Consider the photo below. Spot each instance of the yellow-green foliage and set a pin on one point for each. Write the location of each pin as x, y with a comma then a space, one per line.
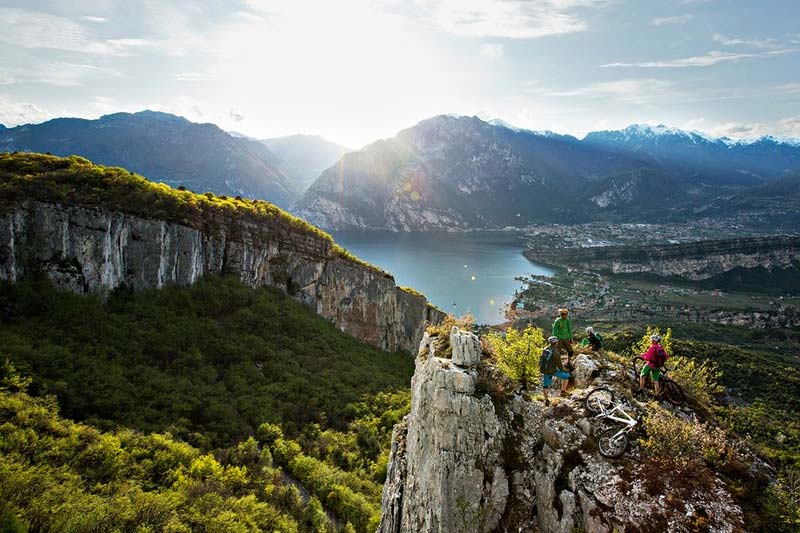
783, 502
644, 344
672, 437
699, 380
76, 180
56, 475
412, 291
517, 353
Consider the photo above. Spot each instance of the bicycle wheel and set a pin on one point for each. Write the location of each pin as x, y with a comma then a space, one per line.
612, 443
672, 392
599, 400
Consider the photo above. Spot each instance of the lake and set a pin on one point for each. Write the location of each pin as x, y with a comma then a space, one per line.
475, 271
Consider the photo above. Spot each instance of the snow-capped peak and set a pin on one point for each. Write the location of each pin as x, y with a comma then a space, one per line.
503, 124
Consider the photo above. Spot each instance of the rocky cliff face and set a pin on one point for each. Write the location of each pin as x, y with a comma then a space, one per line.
694, 261
466, 461
91, 250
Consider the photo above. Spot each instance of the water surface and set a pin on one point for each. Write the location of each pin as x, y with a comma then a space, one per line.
458, 272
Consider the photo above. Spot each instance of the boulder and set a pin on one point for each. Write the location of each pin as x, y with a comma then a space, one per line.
584, 370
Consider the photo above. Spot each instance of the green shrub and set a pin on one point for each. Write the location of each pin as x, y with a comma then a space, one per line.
699, 380
268, 433
517, 353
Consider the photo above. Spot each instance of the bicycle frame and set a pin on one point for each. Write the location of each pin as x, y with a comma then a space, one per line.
628, 421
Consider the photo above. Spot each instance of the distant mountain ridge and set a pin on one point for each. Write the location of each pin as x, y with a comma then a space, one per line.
714, 160
451, 172
304, 157
162, 147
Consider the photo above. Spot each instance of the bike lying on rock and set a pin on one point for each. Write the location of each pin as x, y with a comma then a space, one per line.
611, 441
670, 391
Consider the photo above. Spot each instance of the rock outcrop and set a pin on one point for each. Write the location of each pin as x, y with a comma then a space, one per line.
694, 261
471, 457
93, 250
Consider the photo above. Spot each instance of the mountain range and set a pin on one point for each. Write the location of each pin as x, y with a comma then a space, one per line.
163, 147
462, 172
446, 172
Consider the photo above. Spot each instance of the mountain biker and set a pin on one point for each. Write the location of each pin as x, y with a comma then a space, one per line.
562, 330
594, 339
550, 364
655, 356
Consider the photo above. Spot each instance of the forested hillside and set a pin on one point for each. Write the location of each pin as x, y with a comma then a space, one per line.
206, 368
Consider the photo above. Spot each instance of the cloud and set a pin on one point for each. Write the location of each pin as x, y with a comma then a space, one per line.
513, 19
491, 51
36, 30
789, 126
13, 113
92, 18
711, 58
195, 76
676, 19
758, 43
639, 91
235, 115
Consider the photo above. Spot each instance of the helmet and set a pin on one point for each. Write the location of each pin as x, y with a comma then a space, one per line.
655, 338
590, 329
552, 339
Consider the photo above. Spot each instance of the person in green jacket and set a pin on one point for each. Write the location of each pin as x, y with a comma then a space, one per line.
562, 328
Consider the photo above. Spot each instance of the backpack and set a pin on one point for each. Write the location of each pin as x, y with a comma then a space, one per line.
544, 360
660, 357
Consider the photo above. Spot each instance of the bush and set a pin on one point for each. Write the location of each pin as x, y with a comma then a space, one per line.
517, 354
782, 502
268, 433
699, 380
670, 436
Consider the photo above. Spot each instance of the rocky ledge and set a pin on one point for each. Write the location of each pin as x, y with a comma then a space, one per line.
469, 458
693, 261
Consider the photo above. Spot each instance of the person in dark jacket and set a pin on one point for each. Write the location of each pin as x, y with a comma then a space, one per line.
550, 365
594, 339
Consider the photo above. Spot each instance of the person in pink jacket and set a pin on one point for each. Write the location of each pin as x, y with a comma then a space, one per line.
655, 356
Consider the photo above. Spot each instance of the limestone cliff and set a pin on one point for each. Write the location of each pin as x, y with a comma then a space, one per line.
90, 249
471, 457
694, 261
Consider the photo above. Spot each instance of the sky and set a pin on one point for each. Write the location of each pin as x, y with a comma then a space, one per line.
355, 71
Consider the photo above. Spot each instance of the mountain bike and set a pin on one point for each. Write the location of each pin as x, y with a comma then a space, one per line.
670, 391
612, 442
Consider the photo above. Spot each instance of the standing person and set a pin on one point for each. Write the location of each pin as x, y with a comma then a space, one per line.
550, 365
655, 356
562, 329
594, 339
